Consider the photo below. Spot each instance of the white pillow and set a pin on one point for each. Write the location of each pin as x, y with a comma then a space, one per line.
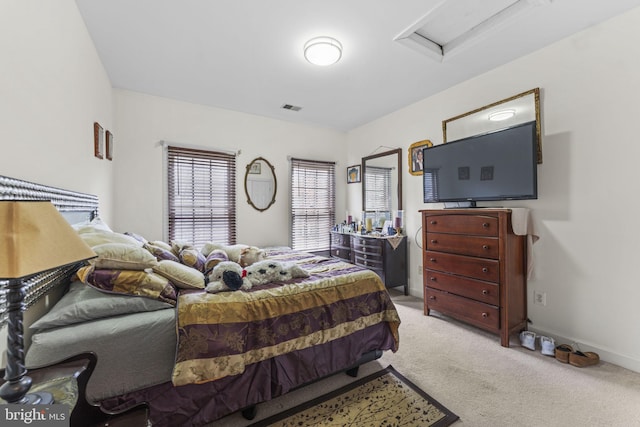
122, 256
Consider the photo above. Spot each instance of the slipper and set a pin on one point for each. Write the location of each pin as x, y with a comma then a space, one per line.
582, 359
528, 339
547, 344
562, 352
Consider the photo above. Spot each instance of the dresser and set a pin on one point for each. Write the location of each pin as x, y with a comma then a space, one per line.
386, 256
475, 269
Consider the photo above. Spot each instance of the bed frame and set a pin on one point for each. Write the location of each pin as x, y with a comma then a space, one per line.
77, 207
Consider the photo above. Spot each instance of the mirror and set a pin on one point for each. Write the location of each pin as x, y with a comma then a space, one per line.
382, 184
521, 108
260, 184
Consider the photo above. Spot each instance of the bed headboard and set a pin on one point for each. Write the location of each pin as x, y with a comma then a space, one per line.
75, 207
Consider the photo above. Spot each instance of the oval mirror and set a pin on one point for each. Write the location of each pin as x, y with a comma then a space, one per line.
260, 184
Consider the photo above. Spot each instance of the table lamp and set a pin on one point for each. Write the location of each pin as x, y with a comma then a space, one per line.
34, 238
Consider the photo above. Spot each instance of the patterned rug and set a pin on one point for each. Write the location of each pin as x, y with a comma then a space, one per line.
384, 398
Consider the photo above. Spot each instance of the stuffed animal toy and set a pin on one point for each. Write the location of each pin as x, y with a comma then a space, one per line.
242, 254
227, 276
267, 271
230, 276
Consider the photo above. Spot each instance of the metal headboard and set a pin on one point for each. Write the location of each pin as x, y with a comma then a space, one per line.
75, 207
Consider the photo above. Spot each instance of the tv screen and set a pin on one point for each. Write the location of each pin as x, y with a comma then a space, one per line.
500, 165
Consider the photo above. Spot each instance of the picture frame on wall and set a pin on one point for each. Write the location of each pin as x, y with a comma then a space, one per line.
353, 174
98, 140
415, 156
109, 145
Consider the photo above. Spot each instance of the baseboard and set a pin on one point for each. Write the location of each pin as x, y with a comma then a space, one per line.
605, 355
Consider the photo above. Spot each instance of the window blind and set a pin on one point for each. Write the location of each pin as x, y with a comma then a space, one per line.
313, 204
201, 196
378, 188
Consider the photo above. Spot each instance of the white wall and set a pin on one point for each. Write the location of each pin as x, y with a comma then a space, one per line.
586, 214
143, 121
52, 88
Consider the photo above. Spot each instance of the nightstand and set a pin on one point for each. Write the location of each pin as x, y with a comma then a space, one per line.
67, 382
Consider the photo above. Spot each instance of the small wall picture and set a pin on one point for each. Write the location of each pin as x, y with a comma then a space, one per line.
109, 145
415, 156
256, 168
98, 140
353, 174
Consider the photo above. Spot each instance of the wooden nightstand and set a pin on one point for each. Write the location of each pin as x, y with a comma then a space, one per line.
67, 382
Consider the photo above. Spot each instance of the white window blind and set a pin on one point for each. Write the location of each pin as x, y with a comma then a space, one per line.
378, 188
313, 202
201, 195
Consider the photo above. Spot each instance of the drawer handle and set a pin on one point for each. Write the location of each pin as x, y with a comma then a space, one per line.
433, 222
434, 279
365, 257
337, 251
485, 224
485, 270
485, 247
485, 315
432, 259
434, 241
485, 292
432, 298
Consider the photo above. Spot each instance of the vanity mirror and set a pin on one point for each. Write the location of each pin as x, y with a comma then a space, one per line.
382, 183
260, 184
515, 110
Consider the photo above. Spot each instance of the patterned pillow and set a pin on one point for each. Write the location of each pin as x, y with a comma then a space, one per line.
95, 238
160, 252
122, 256
182, 276
214, 258
129, 282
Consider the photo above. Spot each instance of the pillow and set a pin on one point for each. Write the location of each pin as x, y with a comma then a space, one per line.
136, 236
214, 258
182, 276
82, 303
96, 224
96, 238
163, 245
161, 252
129, 282
123, 257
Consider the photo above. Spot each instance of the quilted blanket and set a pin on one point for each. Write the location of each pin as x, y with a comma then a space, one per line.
221, 334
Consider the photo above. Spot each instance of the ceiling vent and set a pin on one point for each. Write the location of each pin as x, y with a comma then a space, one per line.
291, 107
451, 27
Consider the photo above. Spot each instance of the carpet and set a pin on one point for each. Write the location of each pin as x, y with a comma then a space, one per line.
384, 398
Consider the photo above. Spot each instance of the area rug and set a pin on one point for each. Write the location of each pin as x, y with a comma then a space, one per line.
384, 398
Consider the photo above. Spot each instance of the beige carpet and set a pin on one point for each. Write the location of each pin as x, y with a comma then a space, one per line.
384, 398
487, 385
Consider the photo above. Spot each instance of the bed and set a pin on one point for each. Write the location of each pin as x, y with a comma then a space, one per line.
193, 357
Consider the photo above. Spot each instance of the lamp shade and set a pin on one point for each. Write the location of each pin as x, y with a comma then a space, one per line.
35, 237
323, 51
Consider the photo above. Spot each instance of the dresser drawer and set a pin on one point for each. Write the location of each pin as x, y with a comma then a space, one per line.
344, 253
479, 246
478, 313
477, 268
339, 239
367, 246
373, 262
478, 225
478, 290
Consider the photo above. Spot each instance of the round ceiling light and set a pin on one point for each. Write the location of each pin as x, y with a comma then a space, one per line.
323, 51
501, 115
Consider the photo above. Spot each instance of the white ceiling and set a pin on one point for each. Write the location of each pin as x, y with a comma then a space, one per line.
246, 55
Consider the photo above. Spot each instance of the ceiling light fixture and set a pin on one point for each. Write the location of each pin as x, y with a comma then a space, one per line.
501, 115
323, 51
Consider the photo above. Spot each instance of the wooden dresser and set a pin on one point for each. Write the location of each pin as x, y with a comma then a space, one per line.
475, 269
385, 256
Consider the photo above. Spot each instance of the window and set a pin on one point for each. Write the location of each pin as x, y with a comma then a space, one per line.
202, 196
313, 204
378, 189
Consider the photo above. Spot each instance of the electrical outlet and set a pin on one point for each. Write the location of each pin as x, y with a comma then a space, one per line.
420, 270
540, 298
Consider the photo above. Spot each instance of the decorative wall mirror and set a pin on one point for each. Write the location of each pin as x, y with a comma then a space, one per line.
382, 184
521, 108
260, 184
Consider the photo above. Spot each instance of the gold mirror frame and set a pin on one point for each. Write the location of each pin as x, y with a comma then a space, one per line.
526, 106
255, 168
414, 149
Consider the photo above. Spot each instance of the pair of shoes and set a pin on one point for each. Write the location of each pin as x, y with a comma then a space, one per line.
582, 359
528, 339
548, 346
562, 352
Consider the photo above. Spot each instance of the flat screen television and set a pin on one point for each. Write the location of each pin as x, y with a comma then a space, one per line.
500, 165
